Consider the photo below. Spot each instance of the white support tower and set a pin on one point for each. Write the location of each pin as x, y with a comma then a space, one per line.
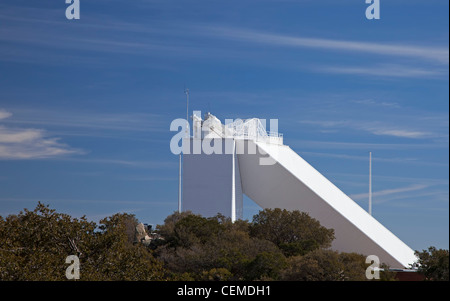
215, 183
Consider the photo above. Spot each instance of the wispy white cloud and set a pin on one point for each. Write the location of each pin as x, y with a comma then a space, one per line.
21, 143
407, 160
381, 115
141, 122
197, 40
19, 135
372, 102
38, 147
141, 164
312, 144
4, 114
400, 133
437, 198
391, 179
376, 128
385, 71
436, 54
387, 192
399, 124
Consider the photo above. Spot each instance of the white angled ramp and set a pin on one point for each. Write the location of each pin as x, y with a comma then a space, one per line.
293, 184
274, 176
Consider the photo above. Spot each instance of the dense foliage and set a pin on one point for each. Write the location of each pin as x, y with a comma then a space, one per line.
276, 245
34, 246
434, 264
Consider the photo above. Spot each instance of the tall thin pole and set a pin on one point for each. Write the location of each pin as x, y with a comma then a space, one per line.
179, 187
186, 91
370, 183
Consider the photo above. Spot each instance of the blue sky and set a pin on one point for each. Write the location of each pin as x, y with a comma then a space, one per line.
86, 105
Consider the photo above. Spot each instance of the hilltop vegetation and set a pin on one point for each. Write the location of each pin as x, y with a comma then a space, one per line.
34, 246
275, 245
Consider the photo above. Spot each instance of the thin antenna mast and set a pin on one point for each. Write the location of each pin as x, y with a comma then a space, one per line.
179, 187
186, 91
370, 183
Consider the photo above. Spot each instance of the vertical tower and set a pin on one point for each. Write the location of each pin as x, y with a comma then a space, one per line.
211, 181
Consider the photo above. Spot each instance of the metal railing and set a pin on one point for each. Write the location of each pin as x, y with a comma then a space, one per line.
251, 129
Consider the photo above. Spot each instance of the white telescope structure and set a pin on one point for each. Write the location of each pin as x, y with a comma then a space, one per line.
223, 162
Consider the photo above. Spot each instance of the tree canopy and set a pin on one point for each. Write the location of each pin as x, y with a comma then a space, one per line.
276, 245
294, 232
434, 264
35, 244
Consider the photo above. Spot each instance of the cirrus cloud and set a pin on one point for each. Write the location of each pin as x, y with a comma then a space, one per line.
4, 114
20, 143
